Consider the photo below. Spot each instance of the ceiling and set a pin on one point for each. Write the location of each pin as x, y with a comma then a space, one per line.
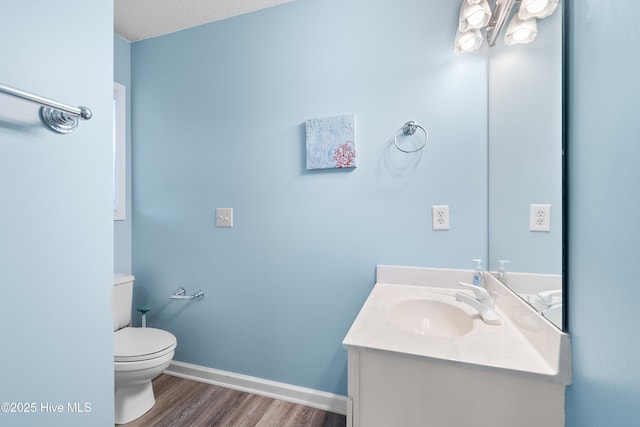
142, 19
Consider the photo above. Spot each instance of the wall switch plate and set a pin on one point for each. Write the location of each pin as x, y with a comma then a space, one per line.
224, 217
440, 217
540, 218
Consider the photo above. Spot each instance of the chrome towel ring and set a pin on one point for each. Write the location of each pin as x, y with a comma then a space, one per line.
409, 128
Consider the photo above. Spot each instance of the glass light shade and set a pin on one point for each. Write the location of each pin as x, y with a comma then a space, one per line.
536, 8
468, 41
521, 31
474, 15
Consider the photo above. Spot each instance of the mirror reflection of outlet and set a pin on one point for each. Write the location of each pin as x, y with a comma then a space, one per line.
224, 217
540, 218
440, 217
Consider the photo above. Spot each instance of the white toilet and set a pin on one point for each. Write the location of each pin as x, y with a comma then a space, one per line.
140, 355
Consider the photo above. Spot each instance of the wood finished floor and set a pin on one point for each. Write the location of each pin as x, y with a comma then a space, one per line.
181, 402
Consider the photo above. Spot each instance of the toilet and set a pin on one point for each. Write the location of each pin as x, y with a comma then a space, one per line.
140, 355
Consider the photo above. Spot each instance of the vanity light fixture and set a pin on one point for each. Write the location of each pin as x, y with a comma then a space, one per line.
521, 29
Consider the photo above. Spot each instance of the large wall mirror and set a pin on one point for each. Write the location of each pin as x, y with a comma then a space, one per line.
526, 166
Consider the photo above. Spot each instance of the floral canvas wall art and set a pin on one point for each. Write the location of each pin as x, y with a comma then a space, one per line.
331, 142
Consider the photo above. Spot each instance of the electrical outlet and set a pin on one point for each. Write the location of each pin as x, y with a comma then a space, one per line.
440, 217
540, 218
224, 217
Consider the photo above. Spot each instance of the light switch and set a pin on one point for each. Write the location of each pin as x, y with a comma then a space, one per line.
224, 217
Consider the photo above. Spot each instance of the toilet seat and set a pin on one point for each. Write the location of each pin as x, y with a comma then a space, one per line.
139, 344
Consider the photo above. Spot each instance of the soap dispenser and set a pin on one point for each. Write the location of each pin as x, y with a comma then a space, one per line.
478, 275
501, 275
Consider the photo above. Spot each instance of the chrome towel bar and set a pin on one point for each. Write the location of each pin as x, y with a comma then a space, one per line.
57, 116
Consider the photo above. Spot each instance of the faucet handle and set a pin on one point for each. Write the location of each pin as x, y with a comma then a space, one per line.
547, 297
481, 293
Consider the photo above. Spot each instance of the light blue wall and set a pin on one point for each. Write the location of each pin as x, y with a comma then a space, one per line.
122, 229
219, 115
604, 238
56, 229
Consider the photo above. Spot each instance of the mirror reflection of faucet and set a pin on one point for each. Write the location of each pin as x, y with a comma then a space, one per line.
548, 303
545, 300
481, 301
551, 297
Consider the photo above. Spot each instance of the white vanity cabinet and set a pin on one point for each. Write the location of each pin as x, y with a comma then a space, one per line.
511, 375
387, 389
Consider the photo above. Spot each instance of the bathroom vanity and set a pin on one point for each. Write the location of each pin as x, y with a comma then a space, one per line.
418, 357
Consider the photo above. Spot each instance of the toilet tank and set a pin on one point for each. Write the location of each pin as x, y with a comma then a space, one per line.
121, 300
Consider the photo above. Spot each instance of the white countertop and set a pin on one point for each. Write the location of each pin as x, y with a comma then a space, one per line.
525, 342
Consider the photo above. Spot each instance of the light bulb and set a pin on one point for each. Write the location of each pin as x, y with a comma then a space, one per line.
468, 41
536, 8
521, 34
476, 18
474, 15
520, 31
467, 44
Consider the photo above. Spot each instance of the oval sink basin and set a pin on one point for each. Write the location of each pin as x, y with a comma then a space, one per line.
430, 318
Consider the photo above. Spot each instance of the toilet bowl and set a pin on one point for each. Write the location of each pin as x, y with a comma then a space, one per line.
140, 355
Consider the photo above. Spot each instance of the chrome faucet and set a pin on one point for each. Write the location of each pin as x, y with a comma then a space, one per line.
482, 302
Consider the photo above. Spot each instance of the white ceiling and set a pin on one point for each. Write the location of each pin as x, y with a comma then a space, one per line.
142, 19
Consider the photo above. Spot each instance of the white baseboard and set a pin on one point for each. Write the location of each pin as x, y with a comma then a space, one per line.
290, 393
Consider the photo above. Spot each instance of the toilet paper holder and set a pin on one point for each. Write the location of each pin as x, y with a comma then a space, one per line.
181, 293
